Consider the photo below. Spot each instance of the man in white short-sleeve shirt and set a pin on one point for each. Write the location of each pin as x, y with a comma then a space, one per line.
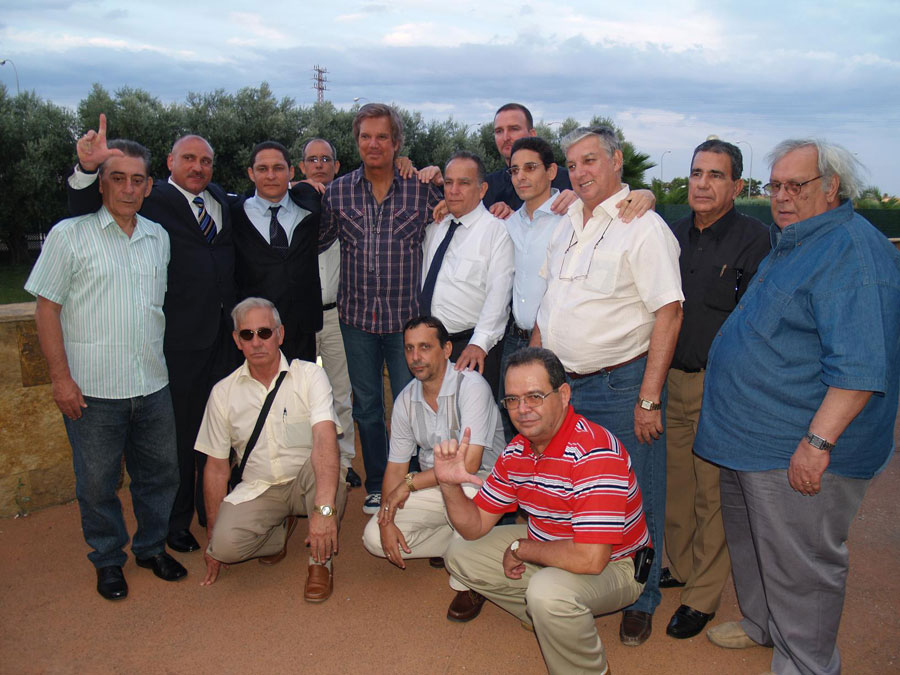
293, 468
440, 403
611, 313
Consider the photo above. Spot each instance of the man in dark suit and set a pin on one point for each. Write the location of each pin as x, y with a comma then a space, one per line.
198, 300
276, 235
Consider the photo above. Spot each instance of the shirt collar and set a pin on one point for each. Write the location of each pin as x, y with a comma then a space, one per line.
189, 195
543, 208
448, 385
560, 440
262, 205
469, 219
607, 206
140, 228
244, 370
811, 228
718, 227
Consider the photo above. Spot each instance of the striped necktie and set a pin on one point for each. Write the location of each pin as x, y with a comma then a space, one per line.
207, 224
277, 235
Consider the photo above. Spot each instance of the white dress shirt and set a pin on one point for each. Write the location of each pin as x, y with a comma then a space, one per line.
289, 215
605, 279
531, 237
329, 272
474, 283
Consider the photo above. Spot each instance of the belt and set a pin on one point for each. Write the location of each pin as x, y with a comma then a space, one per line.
519, 332
607, 369
330, 305
462, 335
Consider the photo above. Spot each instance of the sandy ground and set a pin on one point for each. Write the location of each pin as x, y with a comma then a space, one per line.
379, 620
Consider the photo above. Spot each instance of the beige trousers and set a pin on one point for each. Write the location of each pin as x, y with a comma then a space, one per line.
561, 605
257, 527
695, 536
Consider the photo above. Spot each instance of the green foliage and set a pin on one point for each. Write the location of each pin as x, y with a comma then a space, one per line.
673, 192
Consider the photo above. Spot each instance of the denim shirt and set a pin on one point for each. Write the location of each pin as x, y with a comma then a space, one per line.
822, 311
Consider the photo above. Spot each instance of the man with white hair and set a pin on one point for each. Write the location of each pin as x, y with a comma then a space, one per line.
801, 395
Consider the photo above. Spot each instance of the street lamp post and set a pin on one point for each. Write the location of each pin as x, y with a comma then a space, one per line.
3, 62
661, 157
750, 172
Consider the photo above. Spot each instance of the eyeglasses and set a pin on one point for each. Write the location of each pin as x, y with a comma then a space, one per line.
531, 400
324, 159
264, 334
527, 167
792, 187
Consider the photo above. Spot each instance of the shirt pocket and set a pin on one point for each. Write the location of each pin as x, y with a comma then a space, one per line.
470, 271
296, 431
354, 223
152, 279
407, 223
603, 272
720, 285
767, 313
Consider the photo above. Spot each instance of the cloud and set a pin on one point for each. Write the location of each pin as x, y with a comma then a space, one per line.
256, 25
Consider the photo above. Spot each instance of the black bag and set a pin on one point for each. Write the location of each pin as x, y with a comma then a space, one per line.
237, 470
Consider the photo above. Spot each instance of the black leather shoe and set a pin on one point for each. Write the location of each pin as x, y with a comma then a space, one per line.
666, 580
111, 583
182, 541
164, 566
635, 627
353, 479
687, 622
465, 606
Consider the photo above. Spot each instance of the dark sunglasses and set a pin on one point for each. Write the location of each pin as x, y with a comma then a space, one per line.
264, 334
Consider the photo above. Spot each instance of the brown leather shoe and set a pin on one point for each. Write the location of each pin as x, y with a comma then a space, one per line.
319, 584
635, 627
291, 522
465, 606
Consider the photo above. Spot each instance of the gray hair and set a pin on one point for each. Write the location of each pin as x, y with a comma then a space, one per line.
607, 137
833, 160
244, 306
129, 149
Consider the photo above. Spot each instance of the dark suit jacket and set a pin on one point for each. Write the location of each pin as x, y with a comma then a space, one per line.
201, 274
290, 280
500, 188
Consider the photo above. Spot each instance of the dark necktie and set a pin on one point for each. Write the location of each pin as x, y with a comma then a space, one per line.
207, 224
277, 235
431, 278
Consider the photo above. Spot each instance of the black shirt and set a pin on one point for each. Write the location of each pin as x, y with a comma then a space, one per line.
500, 188
717, 264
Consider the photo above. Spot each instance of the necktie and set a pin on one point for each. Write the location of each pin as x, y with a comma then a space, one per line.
207, 224
277, 235
431, 277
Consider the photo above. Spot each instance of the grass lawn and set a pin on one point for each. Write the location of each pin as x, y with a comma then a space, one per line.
12, 278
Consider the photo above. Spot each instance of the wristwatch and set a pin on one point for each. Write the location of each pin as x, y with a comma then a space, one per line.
325, 510
818, 442
649, 405
409, 481
514, 549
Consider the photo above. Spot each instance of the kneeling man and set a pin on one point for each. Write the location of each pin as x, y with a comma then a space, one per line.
586, 528
438, 404
293, 468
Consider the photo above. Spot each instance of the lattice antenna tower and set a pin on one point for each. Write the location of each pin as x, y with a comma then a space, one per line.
319, 82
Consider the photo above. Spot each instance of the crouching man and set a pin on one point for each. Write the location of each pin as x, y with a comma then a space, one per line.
586, 528
293, 467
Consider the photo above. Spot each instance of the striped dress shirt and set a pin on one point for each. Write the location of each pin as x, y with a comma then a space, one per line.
111, 288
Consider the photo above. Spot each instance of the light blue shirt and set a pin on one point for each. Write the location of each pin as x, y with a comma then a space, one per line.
111, 288
289, 215
531, 238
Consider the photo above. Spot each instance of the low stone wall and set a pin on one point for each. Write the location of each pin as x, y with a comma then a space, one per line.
35, 457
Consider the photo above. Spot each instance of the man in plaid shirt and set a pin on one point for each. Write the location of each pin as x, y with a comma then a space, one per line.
379, 218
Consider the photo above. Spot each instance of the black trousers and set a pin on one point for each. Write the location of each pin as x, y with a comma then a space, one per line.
491, 362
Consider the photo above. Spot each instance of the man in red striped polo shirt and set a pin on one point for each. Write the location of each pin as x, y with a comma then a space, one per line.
586, 530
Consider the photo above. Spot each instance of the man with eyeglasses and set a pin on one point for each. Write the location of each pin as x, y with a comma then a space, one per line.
580, 553
439, 403
293, 468
611, 312
99, 283
720, 250
276, 236
799, 408
467, 271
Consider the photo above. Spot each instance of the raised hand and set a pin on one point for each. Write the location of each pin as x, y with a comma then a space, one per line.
92, 149
450, 461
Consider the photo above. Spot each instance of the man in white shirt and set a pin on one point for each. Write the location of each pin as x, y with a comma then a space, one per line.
612, 312
440, 403
468, 270
293, 468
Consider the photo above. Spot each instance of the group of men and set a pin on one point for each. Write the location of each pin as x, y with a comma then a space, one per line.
553, 291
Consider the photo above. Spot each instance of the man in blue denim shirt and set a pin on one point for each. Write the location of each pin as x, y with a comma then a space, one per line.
803, 377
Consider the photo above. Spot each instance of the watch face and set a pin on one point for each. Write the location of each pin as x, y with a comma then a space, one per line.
325, 510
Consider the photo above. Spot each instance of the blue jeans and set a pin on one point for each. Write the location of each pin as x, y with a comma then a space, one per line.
366, 355
608, 399
143, 429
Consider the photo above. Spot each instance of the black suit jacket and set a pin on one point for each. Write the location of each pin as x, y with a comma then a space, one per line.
201, 290
289, 279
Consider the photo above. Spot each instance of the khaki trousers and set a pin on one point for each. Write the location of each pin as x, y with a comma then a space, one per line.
561, 605
257, 527
695, 536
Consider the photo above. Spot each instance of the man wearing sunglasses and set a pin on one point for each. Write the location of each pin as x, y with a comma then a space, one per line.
293, 468
611, 312
799, 407
720, 250
586, 528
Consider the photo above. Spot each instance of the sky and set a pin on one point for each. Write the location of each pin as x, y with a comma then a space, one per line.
668, 73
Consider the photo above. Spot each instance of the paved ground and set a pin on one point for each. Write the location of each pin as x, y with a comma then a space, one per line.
380, 619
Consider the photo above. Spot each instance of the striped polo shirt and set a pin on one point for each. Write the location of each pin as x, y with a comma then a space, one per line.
111, 288
582, 487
